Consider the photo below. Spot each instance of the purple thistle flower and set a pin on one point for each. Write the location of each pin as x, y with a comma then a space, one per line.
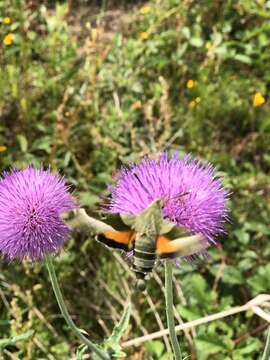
31, 201
193, 197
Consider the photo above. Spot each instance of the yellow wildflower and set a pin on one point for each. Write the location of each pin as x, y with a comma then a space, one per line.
145, 9
191, 83
3, 148
144, 35
8, 39
258, 99
192, 104
208, 45
7, 20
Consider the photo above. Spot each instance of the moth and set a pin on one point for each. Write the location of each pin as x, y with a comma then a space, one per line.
148, 235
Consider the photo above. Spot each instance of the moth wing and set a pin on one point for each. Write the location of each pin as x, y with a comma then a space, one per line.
128, 219
181, 247
79, 219
175, 232
116, 221
117, 239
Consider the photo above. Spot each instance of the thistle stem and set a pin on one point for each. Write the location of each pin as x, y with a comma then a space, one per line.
169, 310
266, 353
60, 300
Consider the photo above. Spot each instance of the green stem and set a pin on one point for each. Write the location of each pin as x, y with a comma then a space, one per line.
59, 297
169, 310
266, 353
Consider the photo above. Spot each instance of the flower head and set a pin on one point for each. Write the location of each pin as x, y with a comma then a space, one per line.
7, 20
191, 83
145, 9
3, 148
193, 197
193, 103
258, 99
8, 39
31, 201
144, 35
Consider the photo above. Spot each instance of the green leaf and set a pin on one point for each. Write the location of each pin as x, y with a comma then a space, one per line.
13, 340
43, 143
196, 41
199, 287
113, 342
121, 327
67, 158
232, 276
88, 199
155, 348
81, 351
247, 349
243, 58
23, 143
242, 236
260, 282
188, 313
210, 344
186, 32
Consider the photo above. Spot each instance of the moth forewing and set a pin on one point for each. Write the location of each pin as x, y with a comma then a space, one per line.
166, 227
184, 246
128, 219
116, 221
190, 245
81, 220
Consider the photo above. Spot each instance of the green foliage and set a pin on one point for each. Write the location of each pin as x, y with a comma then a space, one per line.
157, 350
113, 342
11, 341
88, 88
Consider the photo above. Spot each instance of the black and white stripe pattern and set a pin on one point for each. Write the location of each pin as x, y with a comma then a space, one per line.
144, 261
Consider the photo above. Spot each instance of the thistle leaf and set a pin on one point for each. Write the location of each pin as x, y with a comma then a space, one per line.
13, 340
81, 351
113, 342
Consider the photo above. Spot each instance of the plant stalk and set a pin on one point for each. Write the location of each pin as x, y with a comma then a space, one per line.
169, 310
266, 353
60, 300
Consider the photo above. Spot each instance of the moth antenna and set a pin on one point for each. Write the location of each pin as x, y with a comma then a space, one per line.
145, 189
177, 196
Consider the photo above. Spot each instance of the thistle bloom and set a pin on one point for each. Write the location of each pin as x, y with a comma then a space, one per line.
193, 197
31, 201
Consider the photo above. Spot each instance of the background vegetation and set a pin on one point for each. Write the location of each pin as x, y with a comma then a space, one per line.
86, 86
